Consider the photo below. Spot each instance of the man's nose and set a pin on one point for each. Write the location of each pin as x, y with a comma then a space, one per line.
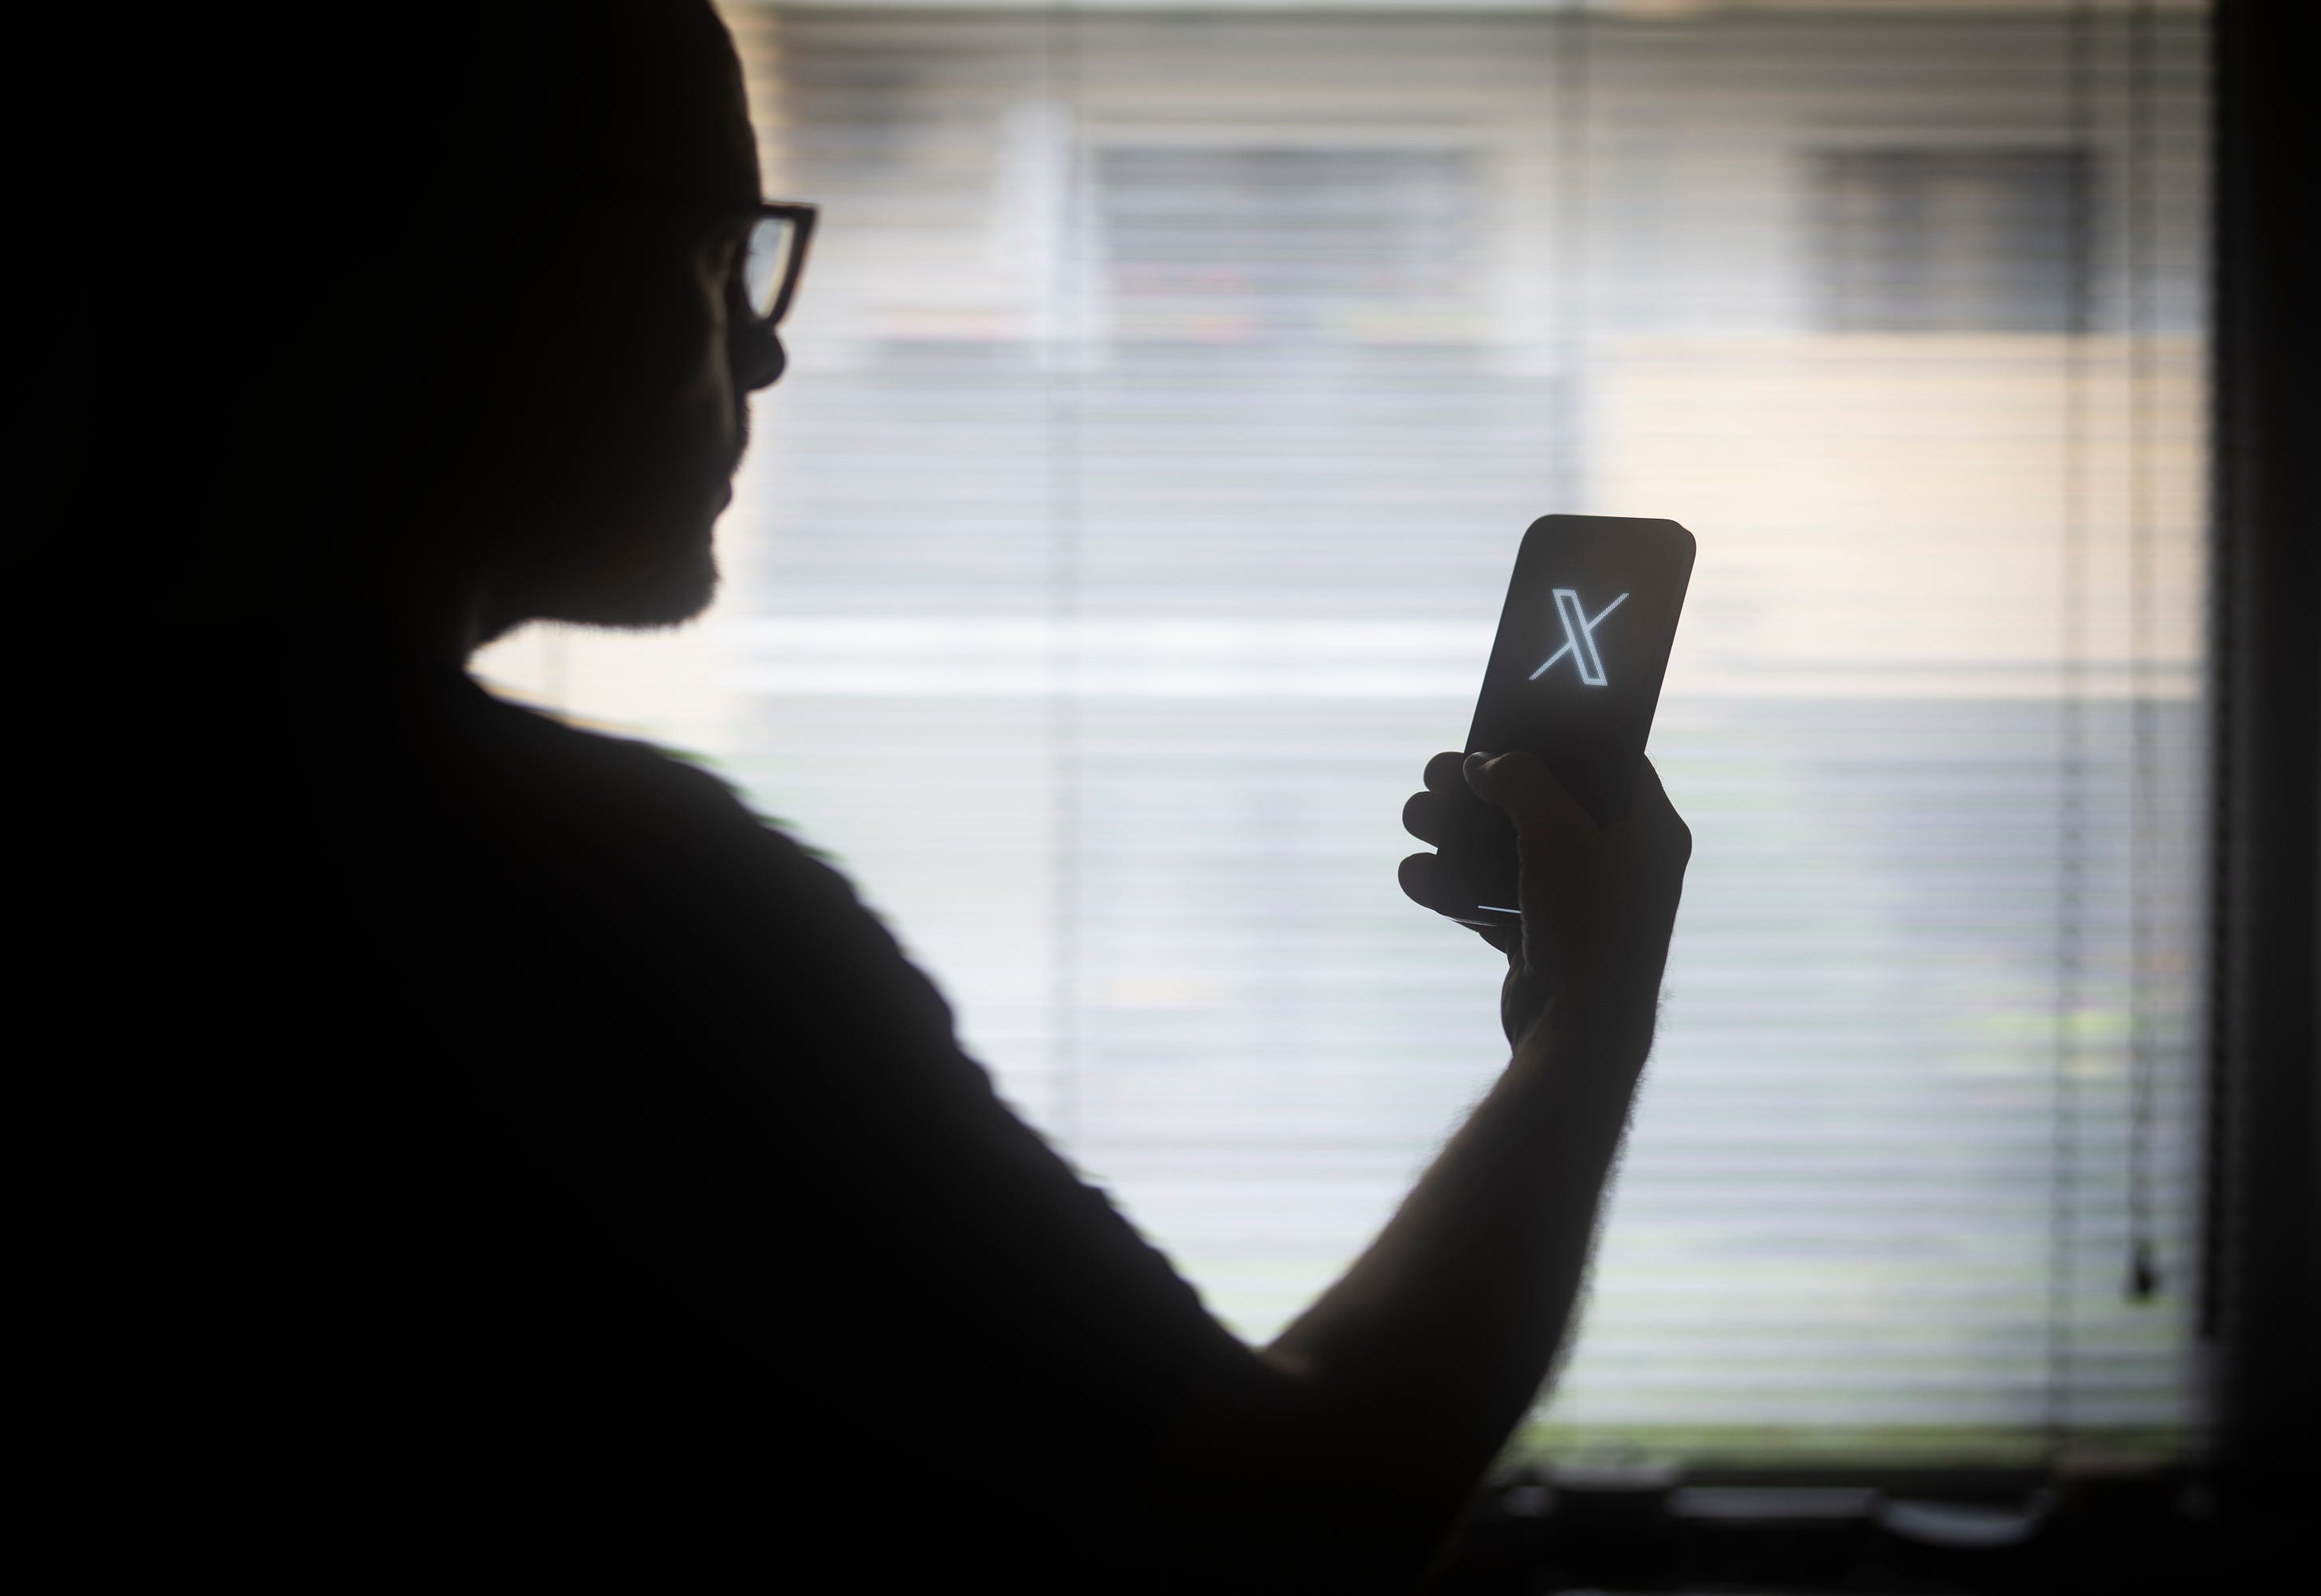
759, 361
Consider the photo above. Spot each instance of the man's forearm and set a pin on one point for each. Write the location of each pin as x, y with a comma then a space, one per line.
1345, 1450
1438, 1338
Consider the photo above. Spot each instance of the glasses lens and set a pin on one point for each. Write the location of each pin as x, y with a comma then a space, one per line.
766, 263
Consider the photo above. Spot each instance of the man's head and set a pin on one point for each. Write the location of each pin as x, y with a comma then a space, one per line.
476, 326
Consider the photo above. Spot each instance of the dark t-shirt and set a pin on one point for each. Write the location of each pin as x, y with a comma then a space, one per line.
581, 1174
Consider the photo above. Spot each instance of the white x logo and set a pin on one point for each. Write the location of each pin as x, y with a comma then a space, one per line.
1579, 637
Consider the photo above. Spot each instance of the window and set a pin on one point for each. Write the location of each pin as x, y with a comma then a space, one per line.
1170, 391
1257, 244
1923, 240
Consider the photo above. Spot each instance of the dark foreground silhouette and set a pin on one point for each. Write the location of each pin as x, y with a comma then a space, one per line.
514, 1156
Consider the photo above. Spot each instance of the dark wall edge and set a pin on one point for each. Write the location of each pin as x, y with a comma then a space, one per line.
2264, 1187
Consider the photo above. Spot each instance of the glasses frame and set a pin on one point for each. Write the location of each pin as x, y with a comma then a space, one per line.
801, 216
798, 213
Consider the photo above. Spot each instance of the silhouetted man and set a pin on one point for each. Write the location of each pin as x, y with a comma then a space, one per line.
527, 1160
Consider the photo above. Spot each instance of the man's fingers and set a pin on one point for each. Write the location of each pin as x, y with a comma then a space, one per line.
1421, 875
1443, 773
1427, 816
1526, 789
1420, 879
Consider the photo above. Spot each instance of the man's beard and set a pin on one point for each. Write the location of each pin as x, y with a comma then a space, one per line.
655, 566
653, 581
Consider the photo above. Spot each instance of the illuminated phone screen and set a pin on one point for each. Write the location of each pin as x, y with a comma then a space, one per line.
1574, 677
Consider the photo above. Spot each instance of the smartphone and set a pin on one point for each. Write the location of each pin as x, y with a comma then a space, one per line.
1574, 677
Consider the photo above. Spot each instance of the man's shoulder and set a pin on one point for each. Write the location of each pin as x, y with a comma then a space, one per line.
625, 826
617, 795
527, 740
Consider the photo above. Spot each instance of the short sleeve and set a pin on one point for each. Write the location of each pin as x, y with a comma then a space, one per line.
827, 1178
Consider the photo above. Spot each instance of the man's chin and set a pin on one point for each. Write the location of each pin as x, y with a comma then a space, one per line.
640, 596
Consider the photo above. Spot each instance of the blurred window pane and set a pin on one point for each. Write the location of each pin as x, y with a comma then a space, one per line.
1173, 389
1920, 240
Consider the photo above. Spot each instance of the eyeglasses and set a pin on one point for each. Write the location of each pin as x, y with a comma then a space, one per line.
773, 252
772, 258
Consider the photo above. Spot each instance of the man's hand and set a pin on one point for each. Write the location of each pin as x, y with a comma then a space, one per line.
1598, 901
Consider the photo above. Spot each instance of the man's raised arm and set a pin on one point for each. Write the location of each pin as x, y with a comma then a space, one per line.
1340, 1455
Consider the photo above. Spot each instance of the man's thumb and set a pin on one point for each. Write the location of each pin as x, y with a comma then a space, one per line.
1523, 786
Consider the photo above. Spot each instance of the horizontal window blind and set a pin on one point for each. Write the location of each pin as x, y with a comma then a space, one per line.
1169, 390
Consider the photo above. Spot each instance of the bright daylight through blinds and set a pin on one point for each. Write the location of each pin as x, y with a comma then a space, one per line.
1169, 390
